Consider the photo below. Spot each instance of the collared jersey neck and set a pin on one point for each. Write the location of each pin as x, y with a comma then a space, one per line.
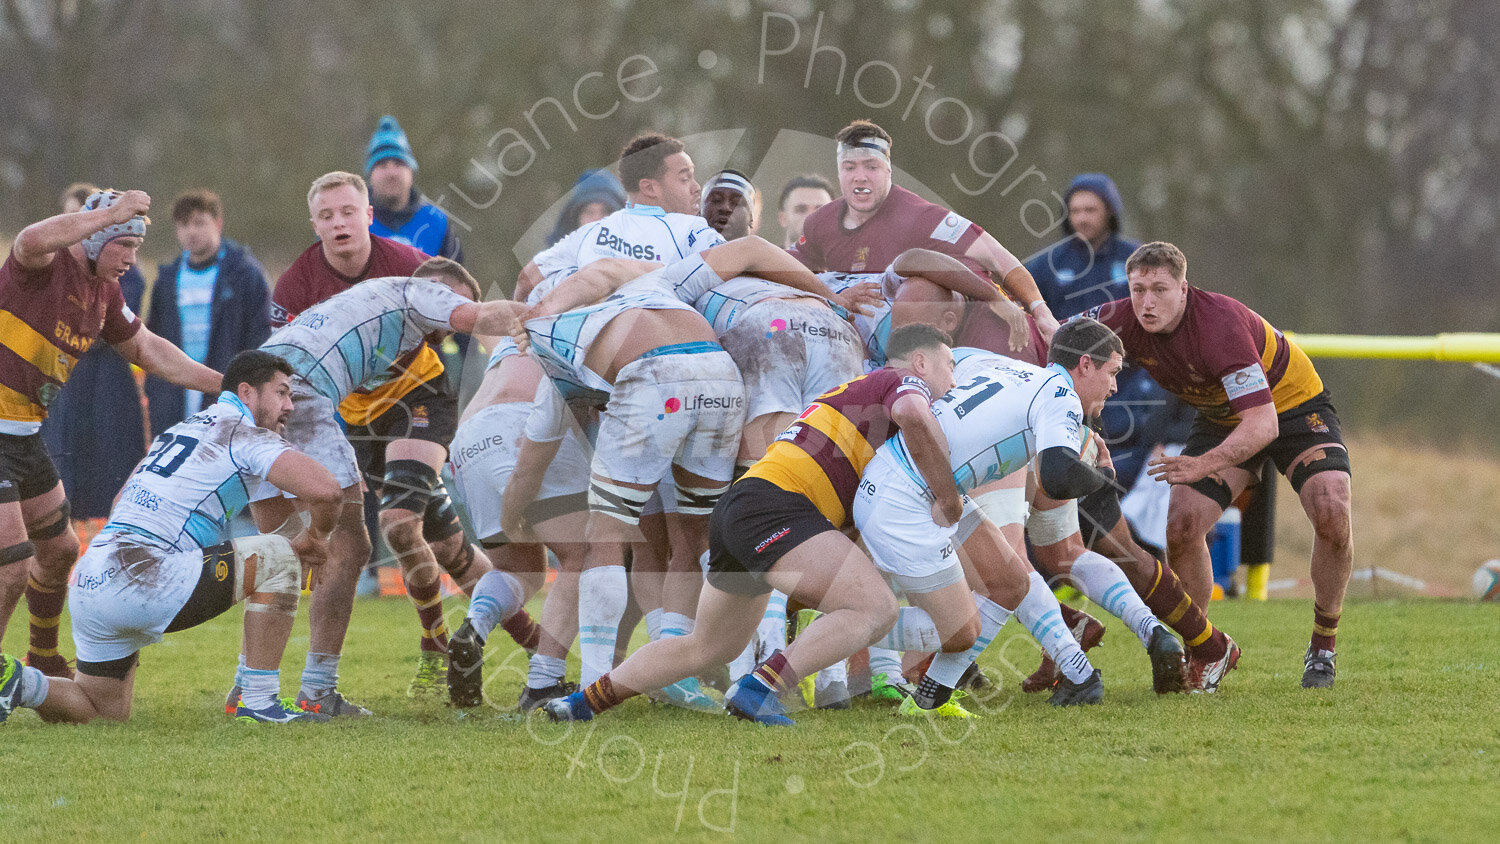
648, 210
1058, 368
233, 401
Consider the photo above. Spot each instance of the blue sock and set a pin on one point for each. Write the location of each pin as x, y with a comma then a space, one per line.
259, 688
320, 675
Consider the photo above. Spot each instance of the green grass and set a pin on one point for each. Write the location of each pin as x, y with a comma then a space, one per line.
1405, 747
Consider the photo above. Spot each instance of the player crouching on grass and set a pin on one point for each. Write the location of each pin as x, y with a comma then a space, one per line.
165, 562
780, 527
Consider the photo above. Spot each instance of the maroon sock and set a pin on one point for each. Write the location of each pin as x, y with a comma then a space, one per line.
1325, 629
776, 674
45, 606
429, 602
523, 628
1071, 617
602, 694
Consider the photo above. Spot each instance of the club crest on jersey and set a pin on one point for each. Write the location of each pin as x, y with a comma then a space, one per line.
861, 257
1315, 423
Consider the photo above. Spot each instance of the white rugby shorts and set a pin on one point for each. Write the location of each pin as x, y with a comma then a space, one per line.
894, 517
790, 351
483, 456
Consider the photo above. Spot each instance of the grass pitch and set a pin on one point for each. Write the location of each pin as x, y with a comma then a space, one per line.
1406, 747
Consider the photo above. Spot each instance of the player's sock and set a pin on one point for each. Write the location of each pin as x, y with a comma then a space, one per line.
914, 631
675, 624
428, 599
742, 664
1104, 584
46, 606
523, 629
835, 673
773, 623
774, 674
259, 688
602, 694
653, 624
1170, 603
320, 675
948, 669
603, 592
545, 671
888, 662
1325, 629
497, 596
1040, 613
239, 672
34, 686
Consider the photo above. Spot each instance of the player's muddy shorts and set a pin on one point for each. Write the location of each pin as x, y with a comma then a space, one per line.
25, 469
1308, 425
753, 526
313, 429
790, 351
483, 456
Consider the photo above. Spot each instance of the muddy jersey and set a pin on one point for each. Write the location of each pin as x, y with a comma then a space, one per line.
353, 340
875, 327
1222, 358
998, 420
48, 319
195, 478
823, 453
724, 304
561, 343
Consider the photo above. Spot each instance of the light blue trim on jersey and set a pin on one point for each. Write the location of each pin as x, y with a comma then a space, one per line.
202, 529
716, 303
233, 401
963, 353
697, 347
126, 527
309, 368
879, 339
644, 210
1058, 368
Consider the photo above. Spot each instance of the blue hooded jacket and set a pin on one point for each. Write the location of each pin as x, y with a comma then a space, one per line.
593, 186
1072, 276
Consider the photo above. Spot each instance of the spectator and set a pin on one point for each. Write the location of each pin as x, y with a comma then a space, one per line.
213, 300
1087, 267
596, 195
800, 196
95, 431
402, 213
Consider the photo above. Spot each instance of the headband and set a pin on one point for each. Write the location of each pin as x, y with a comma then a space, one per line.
865, 148
728, 181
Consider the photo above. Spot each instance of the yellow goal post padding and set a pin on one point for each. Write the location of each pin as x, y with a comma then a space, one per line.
1456, 347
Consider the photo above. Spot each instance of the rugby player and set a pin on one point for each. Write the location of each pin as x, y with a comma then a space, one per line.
800, 196
335, 347
874, 221
165, 560
674, 406
59, 291
400, 430
731, 204
779, 527
996, 423
1257, 396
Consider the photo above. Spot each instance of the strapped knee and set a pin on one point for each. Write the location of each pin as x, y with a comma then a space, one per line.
1330, 459
53, 529
408, 485
277, 573
618, 501
1098, 513
698, 500
1049, 527
440, 519
16, 553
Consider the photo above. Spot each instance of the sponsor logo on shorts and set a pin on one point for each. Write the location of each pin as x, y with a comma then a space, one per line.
700, 402
776, 325
771, 540
89, 582
472, 450
811, 330
1315, 423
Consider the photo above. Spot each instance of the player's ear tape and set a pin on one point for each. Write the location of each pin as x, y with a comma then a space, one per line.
53, 529
618, 501
1328, 459
408, 485
698, 500
16, 553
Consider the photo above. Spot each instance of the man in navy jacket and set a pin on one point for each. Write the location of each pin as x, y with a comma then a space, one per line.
213, 301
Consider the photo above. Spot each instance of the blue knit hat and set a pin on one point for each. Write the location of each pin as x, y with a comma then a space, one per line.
388, 142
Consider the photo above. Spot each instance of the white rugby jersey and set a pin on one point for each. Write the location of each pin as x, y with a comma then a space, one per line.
195, 478
349, 341
722, 305
639, 232
969, 362
999, 419
561, 343
874, 328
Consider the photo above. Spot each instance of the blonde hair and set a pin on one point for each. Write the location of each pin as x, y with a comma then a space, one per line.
1158, 253
337, 178
449, 269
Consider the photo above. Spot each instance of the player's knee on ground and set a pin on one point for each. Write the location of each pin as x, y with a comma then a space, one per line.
270, 572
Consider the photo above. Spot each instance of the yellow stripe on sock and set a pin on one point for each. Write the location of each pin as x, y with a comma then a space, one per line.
435, 601
43, 651
1208, 632
51, 621
440, 630
1155, 583
1179, 611
1326, 631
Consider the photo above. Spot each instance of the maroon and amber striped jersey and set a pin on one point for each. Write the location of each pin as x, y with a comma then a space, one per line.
48, 318
1222, 358
824, 452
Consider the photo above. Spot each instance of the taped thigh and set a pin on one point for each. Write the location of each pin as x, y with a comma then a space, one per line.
269, 573
617, 500
699, 500
1004, 506
16, 553
1326, 459
440, 519
1049, 527
408, 485
54, 528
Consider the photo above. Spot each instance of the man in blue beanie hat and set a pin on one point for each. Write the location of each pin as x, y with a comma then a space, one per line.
402, 213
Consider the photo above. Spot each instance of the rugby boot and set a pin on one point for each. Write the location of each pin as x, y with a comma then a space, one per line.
1203, 677
333, 704
1168, 669
750, 700
1086, 693
466, 668
571, 707
532, 698
432, 676
1318, 669
283, 711
1089, 632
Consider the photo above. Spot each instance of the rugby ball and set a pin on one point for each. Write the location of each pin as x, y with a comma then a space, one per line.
1487, 581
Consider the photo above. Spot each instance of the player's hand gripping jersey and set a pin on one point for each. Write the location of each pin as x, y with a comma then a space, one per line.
355, 339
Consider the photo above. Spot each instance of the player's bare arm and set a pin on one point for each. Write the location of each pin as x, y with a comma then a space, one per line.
36, 243
1016, 280
527, 281
313, 484
164, 360
502, 316
947, 271
759, 257
929, 450
1256, 430
590, 285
